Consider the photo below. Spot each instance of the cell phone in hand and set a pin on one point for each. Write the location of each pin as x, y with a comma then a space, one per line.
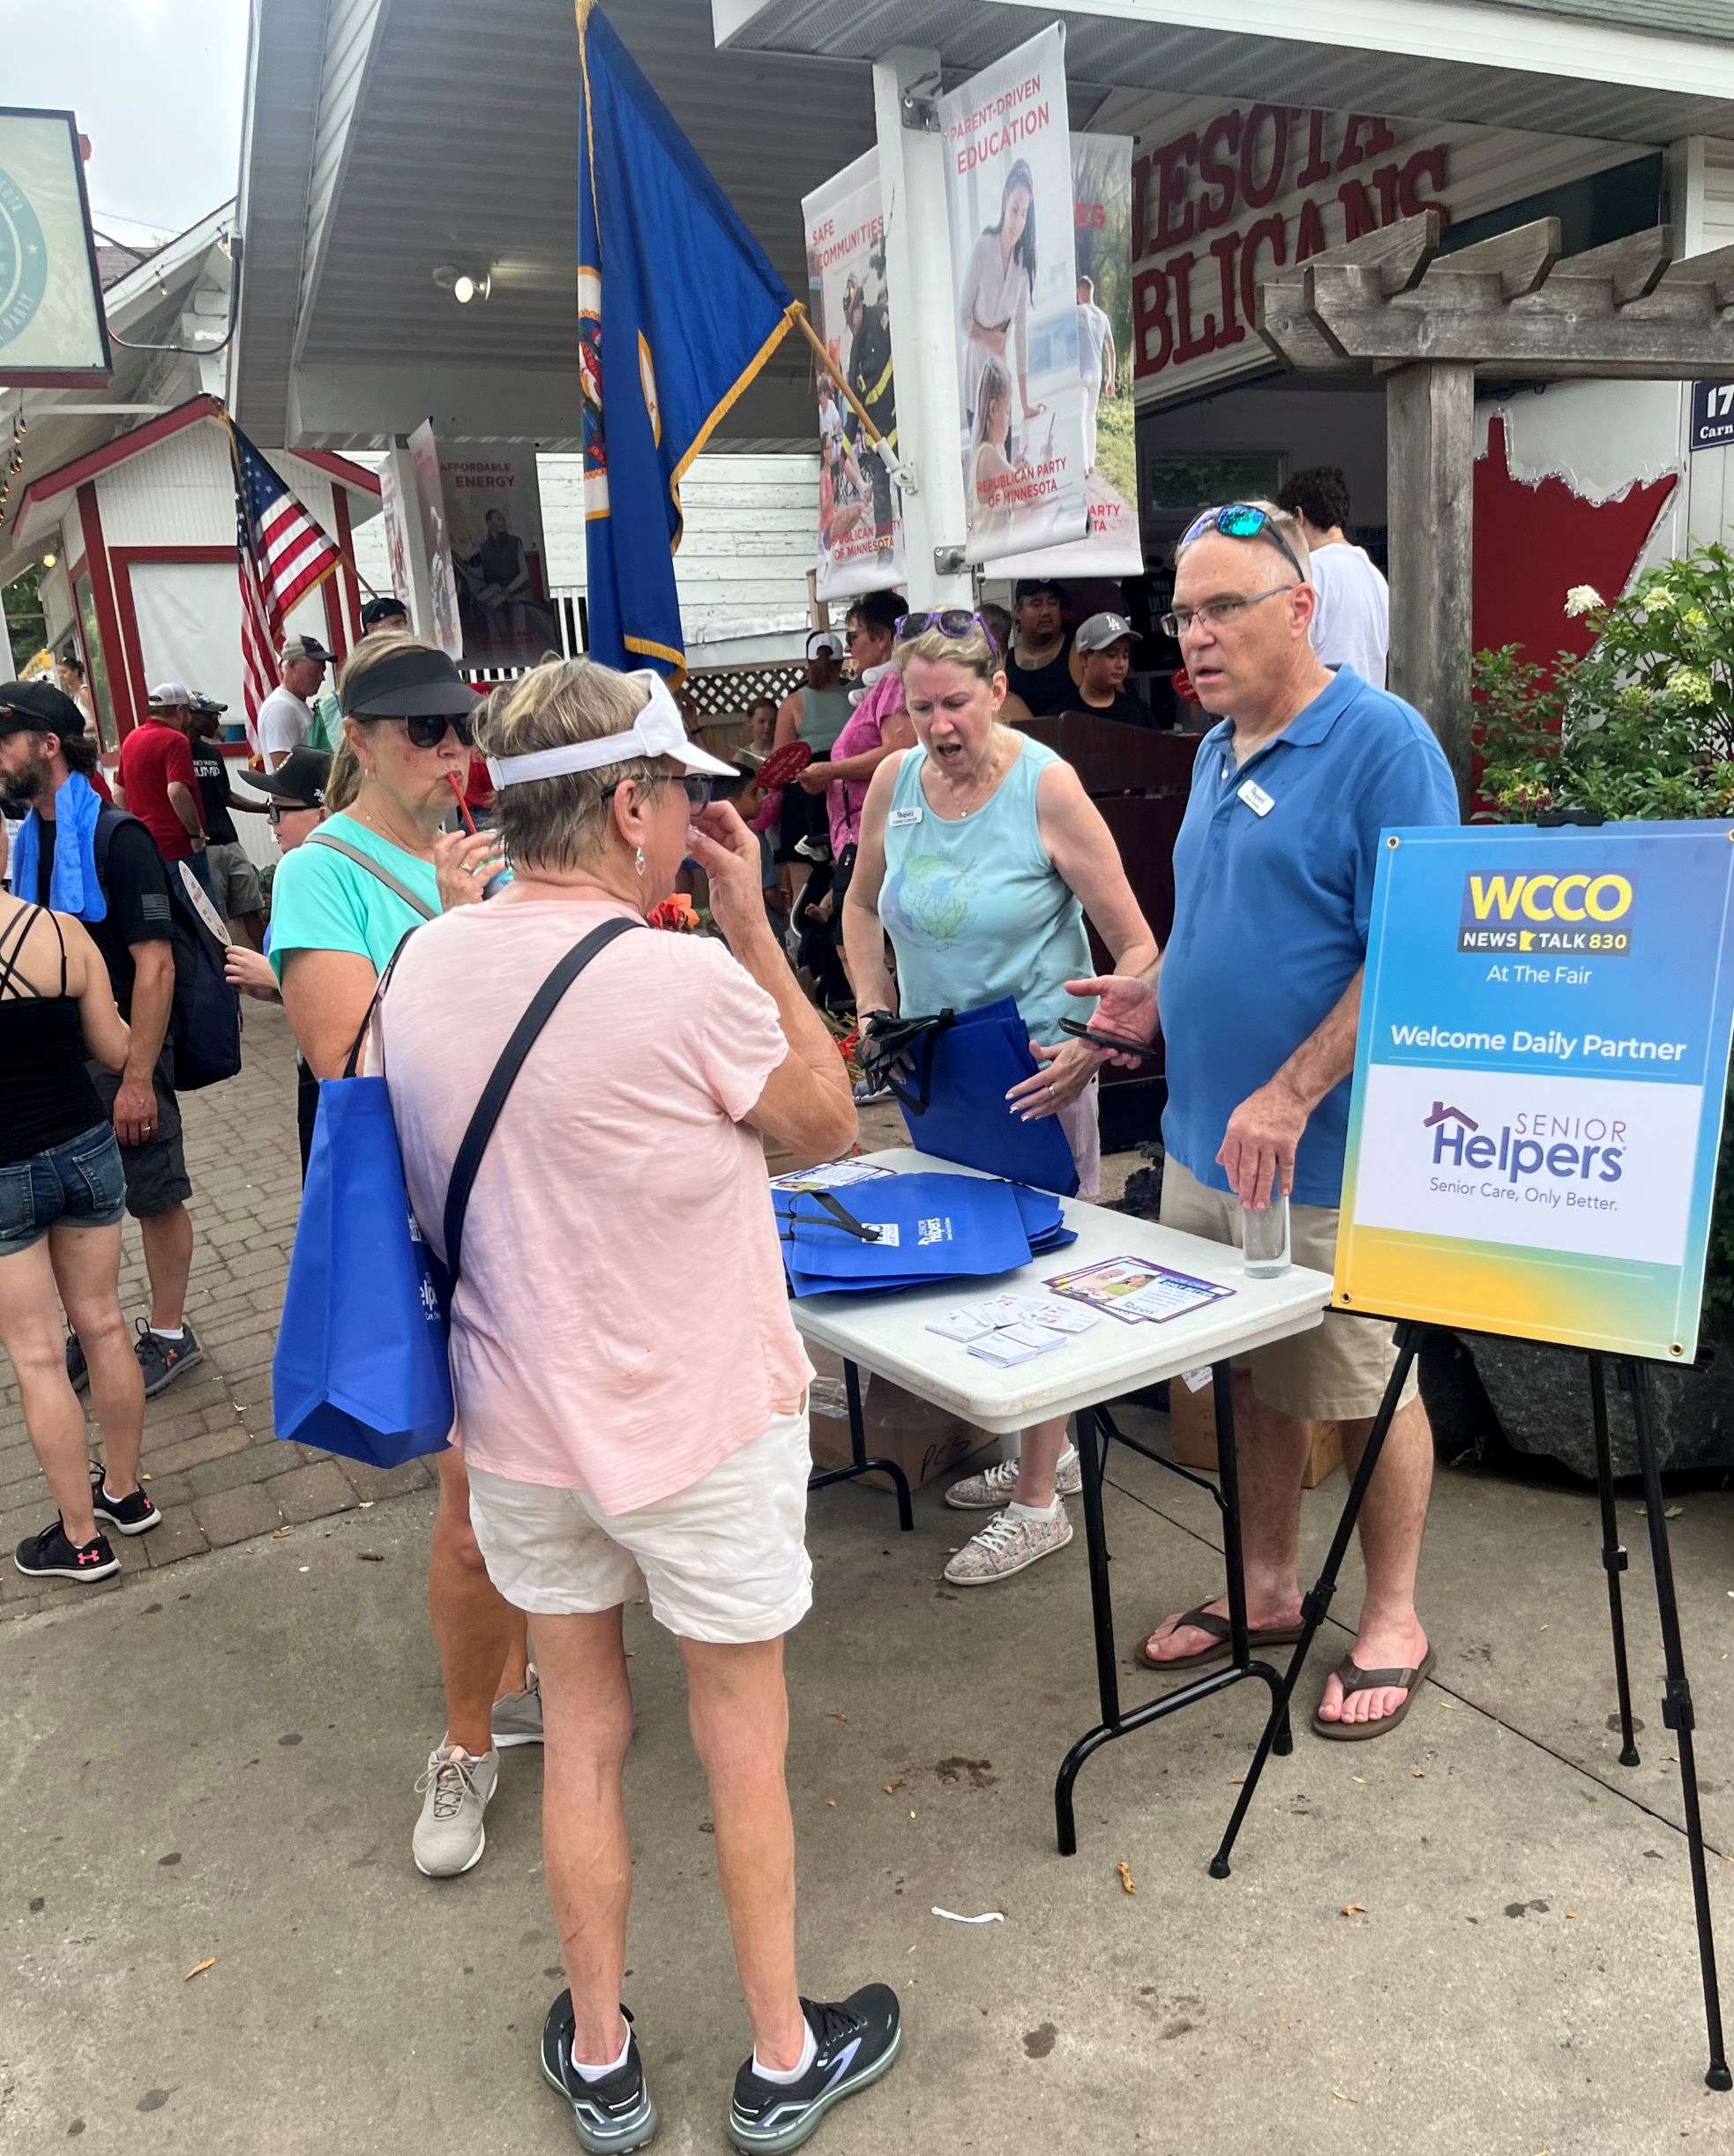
1146, 1050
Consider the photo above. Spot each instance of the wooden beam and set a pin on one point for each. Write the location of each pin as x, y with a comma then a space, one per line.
1519, 259
1397, 255
1429, 465
1633, 266
1714, 269
1292, 334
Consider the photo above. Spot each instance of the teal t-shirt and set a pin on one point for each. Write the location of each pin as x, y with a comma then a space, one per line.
322, 901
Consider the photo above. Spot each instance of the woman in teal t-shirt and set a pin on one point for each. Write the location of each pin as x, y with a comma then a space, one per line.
980, 856
340, 905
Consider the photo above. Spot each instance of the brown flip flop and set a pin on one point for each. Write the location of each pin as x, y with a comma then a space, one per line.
1203, 1620
1356, 1680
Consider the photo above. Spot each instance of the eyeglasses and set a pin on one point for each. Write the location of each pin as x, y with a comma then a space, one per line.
1242, 520
279, 809
1216, 613
427, 733
698, 788
956, 622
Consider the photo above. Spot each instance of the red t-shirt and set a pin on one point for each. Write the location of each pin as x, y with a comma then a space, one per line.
154, 756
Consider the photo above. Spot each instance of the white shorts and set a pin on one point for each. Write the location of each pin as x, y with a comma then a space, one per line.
723, 1562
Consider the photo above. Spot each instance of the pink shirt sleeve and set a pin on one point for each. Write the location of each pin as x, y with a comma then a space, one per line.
740, 1041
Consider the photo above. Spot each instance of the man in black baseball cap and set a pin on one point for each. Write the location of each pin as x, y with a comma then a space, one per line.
1038, 665
46, 758
384, 615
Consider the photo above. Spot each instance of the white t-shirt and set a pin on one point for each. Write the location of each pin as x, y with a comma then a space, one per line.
1094, 331
1352, 623
284, 723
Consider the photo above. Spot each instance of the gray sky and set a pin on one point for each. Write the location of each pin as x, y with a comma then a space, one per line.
157, 87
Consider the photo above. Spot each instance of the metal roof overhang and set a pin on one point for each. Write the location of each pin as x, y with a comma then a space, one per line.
386, 139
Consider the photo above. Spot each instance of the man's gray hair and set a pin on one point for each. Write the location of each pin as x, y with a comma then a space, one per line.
1293, 537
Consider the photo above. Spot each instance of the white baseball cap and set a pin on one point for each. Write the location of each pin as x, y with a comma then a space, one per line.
658, 730
171, 695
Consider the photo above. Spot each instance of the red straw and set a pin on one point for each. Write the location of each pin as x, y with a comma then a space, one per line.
457, 786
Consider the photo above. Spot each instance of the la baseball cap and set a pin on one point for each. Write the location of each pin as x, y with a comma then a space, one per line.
1101, 630
39, 708
298, 782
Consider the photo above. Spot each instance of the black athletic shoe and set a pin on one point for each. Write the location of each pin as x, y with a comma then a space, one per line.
50, 1555
613, 2114
133, 1515
857, 2039
78, 1371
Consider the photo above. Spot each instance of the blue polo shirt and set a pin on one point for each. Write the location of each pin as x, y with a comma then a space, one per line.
1271, 910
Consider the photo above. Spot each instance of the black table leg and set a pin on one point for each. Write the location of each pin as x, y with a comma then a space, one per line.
1116, 1721
1315, 1604
1678, 1715
859, 1463
1613, 1554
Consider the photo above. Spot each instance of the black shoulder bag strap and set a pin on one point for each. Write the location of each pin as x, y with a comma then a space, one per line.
505, 1072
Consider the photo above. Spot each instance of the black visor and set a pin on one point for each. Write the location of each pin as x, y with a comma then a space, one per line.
410, 685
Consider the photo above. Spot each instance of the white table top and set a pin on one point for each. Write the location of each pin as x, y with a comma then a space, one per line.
887, 1334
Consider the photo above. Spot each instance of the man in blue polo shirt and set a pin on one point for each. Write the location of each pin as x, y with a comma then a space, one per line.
1259, 992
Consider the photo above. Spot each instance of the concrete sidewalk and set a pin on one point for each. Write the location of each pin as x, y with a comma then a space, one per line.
216, 1763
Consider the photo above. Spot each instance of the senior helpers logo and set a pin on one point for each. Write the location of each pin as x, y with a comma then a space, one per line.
24, 260
1556, 916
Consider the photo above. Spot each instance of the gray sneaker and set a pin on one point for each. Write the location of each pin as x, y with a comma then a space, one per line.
162, 1360
516, 1717
449, 1836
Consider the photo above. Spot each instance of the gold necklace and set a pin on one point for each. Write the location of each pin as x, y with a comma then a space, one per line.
983, 788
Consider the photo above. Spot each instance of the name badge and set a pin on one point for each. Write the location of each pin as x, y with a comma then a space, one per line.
1256, 799
900, 819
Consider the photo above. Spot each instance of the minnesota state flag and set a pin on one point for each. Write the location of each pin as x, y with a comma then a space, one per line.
678, 308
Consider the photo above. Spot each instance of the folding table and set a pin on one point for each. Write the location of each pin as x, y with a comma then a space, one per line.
887, 1334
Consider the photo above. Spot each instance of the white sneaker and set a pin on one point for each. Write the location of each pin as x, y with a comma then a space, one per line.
1007, 1545
449, 1836
992, 1487
517, 1718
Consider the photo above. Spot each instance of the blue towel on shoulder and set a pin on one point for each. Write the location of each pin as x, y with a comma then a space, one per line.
74, 887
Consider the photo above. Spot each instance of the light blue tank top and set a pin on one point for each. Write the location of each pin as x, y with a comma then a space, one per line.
974, 909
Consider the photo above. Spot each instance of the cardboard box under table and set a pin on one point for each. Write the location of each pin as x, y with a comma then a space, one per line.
887, 1334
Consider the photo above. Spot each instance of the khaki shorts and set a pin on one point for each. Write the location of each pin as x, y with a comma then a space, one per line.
1338, 1372
724, 1561
234, 878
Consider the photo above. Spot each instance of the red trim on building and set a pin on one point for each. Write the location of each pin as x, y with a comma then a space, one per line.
123, 683
120, 563
85, 468
338, 468
129, 554
344, 537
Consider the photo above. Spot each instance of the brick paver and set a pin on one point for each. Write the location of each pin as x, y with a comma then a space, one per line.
217, 1469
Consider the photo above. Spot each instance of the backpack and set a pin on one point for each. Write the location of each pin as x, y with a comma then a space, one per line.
204, 1019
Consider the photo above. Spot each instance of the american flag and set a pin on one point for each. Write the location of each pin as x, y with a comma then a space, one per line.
281, 554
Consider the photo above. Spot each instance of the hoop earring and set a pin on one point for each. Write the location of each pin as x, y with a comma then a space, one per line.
637, 861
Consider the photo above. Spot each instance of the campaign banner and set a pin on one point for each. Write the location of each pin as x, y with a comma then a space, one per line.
1539, 1083
1008, 198
1102, 235
436, 544
499, 557
860, 513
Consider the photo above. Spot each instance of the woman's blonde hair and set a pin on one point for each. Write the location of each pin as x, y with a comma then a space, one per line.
977, 651
561, 823
994, 383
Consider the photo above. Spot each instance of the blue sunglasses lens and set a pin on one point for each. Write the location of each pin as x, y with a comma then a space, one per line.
1242, 521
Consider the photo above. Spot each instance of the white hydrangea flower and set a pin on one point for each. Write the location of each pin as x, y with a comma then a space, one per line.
1660, 598
1583, 598
1691, 685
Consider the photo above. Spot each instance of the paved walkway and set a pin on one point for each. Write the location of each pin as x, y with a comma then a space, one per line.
215, 1464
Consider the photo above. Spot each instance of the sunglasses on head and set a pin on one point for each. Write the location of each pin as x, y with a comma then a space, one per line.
428, 733
1242, 520
956, 622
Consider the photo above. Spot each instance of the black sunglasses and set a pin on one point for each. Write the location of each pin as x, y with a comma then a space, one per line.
425, 733
698, 788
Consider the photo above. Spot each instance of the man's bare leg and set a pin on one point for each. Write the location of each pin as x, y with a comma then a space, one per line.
1392, 1520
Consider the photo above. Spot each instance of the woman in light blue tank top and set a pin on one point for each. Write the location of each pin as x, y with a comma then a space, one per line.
980, 856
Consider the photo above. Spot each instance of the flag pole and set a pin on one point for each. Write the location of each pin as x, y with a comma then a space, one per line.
888, 456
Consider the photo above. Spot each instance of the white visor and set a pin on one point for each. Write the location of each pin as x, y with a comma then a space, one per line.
658, 730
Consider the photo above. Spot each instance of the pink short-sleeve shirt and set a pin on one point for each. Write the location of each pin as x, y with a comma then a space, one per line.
622, 1324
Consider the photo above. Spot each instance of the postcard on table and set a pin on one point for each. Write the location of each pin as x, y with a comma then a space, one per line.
833, 1176
1137, 1289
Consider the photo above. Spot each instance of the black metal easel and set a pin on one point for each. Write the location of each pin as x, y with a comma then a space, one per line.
1096, 1429
859, 1463
1677, 1711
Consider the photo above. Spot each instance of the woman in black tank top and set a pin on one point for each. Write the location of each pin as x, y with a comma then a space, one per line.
61, 1195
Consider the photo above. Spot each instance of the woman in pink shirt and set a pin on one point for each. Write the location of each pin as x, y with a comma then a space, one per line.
630, 1428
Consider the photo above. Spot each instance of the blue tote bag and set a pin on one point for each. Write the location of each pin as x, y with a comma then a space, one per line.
362, 1365
902, 1231
976, 1060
